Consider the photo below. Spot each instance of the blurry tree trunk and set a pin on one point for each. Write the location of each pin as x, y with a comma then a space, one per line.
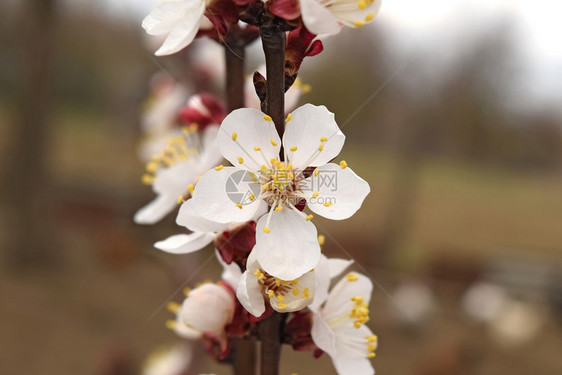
29, 217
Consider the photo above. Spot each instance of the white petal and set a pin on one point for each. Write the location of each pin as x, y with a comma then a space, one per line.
353, 366
184, 331
185, 243
337, 266
349, 15
181, 35
155, 210
341, 192
250, 295
163, 18
308, 125
322, 281
210, 155
211, 201
318, 19
175, 179
290, 249
231, 273
190, 219
252, 130
341, 294
323, 336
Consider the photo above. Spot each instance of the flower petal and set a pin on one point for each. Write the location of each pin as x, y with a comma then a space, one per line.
291, 247
190, 219
308, 125
155, 210
163, 18
318, 19
340, 192
249, 291
297, 296
250, 129
353, 366
355, 17
211, 201
337, 266
210, 155
231, 273
185, 243
323, 336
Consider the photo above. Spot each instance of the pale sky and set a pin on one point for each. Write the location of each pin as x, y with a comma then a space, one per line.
438, 24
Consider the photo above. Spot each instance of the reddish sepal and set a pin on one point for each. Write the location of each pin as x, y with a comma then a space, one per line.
235, 245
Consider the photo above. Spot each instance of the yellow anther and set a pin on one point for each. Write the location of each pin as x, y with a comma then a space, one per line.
278, 208
362, 4
219, 168
321, 147
171, 324
282, 305
270, 293
295, 282
315, 195
290, 166
186, 291
309, 217
280, 298
264, 169
371, 355
343, 164
273, 142
369, 17
290, 176
147, 179
266, 230
371, 347
289, 117
267, 118
316, 172
323, 139
328, 204
173, 307
305, 292
277, 282
191, 188
240, 160
372, 338
357, 299
257, 148
295, 292
273, 161
252, 197
352, 277
321, 239
306, 88
358, 23
357, 324
180, 199
293, 149
152, 167
265, 187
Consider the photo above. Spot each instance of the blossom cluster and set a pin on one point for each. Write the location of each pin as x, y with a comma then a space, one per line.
258, 210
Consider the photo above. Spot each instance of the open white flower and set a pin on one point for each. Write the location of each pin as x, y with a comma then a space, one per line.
256, 285
339, 325
168, 360
324, 17
179, 20
173, 172
286, 240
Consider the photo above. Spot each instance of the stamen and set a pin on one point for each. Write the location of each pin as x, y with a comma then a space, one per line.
289, 117
343, 164
218, 168
352, 277
267, 118
234, 136
321, 239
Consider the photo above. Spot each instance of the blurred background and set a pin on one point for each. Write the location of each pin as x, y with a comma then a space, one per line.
452, 114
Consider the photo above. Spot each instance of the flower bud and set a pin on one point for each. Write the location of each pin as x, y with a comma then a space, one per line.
208, 308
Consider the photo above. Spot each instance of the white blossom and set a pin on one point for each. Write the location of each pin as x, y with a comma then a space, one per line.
286, 240
339, 325
325, 17
172, 360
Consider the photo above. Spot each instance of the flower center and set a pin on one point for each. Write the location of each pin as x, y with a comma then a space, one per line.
279, 289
